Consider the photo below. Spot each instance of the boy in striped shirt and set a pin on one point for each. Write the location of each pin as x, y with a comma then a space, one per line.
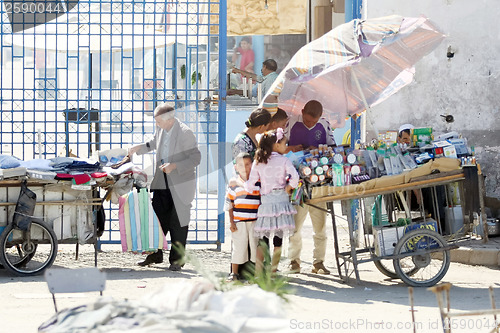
242, 207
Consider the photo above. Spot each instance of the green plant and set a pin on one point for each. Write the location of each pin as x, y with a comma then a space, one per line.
267, 280
194, 75
193, 78
183, 71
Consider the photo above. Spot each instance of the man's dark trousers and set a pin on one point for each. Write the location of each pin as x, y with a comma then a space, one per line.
165, 210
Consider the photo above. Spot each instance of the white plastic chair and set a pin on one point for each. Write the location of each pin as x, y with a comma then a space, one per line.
79, 280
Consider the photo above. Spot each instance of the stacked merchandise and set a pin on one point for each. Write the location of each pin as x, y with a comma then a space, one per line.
335, 166
340, 166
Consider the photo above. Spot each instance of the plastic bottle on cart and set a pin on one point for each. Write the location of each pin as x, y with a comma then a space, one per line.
329, 152
304, 170
347, 175
329, 172
313, 179
338, 174
314, 163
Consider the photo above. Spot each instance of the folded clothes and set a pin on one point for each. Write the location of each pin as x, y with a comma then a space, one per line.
38, 164
79, 178
83, 166
61, 162
7, 162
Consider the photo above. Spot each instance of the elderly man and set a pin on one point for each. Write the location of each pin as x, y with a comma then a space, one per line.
269, 68
174, 183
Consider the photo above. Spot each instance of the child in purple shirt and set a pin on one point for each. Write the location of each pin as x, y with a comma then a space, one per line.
308, 131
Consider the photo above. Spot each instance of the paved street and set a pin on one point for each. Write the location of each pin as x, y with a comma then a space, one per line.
319, 304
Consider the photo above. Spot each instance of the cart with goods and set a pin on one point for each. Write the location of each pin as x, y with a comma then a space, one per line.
406, 221
40, 214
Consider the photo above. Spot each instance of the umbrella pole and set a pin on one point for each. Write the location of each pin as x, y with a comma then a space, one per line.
367, 108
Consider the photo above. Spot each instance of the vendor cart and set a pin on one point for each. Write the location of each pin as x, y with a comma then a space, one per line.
38, 215
411, 245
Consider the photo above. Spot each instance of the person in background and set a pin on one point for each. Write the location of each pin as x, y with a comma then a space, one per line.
309, 130
242, 207
247, 59
433, 204
278, 120
281, 56
174, 182
404, 134
268, 77
246, 141
278, 178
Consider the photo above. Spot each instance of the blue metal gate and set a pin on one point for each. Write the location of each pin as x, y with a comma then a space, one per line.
82, 76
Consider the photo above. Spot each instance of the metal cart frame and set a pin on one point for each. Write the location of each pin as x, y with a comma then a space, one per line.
366, 254
18, 246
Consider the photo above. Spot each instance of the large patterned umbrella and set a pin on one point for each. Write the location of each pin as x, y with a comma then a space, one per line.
354, 66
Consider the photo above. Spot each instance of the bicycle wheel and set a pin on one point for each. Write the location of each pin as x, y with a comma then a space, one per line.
386, 267
432, 266
25, 255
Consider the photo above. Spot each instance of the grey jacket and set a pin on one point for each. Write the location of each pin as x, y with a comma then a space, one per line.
184, 152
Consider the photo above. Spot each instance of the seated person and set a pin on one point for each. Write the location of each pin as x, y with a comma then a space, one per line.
269, 74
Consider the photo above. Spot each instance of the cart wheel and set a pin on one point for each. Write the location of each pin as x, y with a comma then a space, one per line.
22, 260
431, 266
25, 257
386, 267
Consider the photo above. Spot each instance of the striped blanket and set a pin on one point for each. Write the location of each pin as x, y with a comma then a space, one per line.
140, 230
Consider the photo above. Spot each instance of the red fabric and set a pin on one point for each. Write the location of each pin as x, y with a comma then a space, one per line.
99, 174
247, 57
81, 179
64, 175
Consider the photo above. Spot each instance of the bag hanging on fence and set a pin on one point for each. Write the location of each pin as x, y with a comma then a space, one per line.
140, 229
25, 207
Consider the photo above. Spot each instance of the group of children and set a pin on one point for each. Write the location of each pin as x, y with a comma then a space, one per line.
258, 202
258, 199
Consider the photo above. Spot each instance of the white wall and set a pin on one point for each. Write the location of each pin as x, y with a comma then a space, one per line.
466, 86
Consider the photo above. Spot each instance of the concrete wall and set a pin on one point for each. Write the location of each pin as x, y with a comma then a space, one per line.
466, 86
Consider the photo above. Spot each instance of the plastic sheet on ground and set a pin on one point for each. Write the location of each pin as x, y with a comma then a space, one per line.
183, 306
